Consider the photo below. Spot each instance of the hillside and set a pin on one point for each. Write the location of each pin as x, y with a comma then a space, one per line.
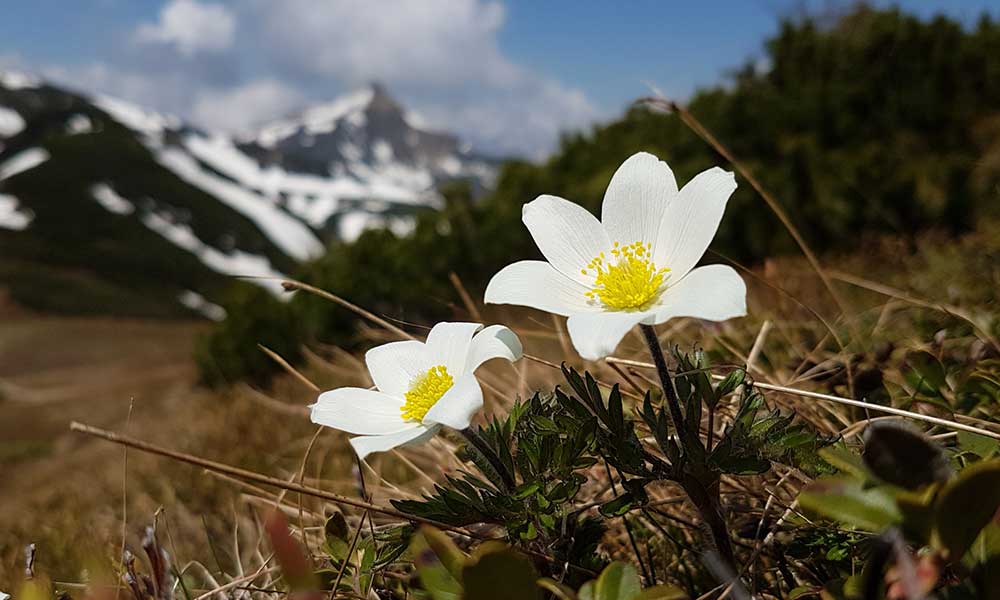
109, 208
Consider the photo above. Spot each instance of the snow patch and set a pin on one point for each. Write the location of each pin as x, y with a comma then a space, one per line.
78, 124
236, 262
11, 122
135, 117
318, 119
110, 200
353, 224
12, 216
311, 197
198, 303
15, 80
23, 161
382, 151
289, 234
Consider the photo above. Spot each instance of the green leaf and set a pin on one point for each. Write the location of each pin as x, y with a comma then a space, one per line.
980, 445
899, 454
619, 581
336, 534
966, 505
729, 384
434, 576
662, 592
927, 374
848, 462
618, 506
558, 590
847, 501
447, 552
499, 573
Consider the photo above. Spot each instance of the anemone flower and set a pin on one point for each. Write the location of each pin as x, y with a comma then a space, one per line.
420, 387
634, 266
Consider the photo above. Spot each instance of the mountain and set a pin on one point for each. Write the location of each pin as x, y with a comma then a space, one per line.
107, 207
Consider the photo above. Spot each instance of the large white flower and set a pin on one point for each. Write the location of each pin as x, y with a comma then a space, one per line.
635, 265
421, 386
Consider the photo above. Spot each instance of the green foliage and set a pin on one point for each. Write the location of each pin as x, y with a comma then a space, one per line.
748, 446
904, 486
495, 571
544, 447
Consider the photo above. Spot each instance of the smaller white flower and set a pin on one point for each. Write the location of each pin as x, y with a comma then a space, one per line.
420, 387
635, 265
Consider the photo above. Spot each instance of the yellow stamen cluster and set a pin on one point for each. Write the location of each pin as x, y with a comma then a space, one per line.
425, 391
629, 281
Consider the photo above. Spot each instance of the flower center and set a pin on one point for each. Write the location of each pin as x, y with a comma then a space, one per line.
425, 391
629, 281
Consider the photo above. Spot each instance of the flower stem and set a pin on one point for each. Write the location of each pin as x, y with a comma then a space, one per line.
476, 440
673, 404
702, 490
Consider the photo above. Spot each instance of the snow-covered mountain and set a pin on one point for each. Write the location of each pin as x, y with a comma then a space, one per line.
127, 208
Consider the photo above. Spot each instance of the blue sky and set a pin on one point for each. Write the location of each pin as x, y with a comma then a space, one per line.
507, 75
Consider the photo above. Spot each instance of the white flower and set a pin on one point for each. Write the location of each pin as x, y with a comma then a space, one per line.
635, 265
421, 386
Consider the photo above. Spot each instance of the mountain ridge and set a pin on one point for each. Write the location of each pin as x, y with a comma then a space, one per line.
102, 200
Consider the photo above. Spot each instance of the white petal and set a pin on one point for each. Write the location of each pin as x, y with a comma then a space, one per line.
636, 197
458, 405
395, 365
691, 220
713, 293
537, 284
597, 335
566, 233
496, 341
357, 410
448, 345
365, 445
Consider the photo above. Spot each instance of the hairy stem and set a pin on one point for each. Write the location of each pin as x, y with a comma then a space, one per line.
476, 440
704, 497
673, 404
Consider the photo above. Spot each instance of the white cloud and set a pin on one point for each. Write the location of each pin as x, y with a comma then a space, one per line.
237, 108
404, 41
441, 58
445, 53
191, 26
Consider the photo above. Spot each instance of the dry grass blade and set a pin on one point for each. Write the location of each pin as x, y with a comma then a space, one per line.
466, 298
291, 285
289, 486
830, 398
892, 292
288, 367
